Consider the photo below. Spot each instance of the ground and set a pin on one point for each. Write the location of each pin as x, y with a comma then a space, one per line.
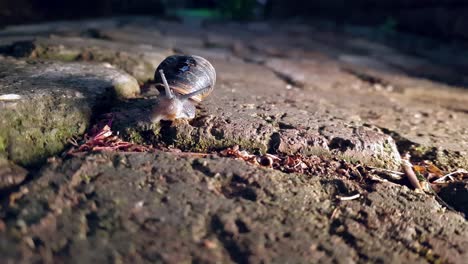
341, 104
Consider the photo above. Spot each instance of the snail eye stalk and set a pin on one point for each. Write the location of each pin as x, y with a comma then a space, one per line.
166, 85
195, 93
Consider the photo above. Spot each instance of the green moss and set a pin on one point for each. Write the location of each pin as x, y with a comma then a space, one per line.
125, 87
3, 144
55, 53
188, 138
419, 151
196, 140
136, 137
63, 55
444, 159
317, 151
388, 148
138, 67
351, 159
86, 178
39, 129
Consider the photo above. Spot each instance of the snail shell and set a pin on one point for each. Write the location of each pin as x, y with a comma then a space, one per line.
186, 74
183, 81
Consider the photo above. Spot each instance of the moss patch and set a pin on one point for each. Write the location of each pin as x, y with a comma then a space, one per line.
197, 139
37, 129
444, 159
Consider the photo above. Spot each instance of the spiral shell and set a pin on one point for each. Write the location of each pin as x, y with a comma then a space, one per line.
186, 74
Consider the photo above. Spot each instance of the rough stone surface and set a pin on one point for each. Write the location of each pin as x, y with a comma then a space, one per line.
138, 60
43, 104
281, 89
165, 208
64, 27
280, 120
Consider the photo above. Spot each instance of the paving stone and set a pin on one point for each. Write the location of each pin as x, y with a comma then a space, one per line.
262, 114
43, 104
280, 89
145, 207
138, 60
136, 35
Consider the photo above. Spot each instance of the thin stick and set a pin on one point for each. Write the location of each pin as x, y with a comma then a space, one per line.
442, 179
386, 170
393, 175
348, 198
334, 213
377, 178
166, 85
408, 169
192, 154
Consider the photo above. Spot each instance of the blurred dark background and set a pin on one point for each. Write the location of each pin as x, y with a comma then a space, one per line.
433, 18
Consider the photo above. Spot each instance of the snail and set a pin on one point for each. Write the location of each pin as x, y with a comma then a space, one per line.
183, 81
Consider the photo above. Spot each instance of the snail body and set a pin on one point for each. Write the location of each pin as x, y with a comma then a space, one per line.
183, 81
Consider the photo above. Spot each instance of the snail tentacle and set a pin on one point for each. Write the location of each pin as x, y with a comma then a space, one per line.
194, 93
166, 85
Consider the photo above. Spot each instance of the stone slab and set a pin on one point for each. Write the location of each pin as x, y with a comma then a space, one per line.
148, 208
43, 104
139, 60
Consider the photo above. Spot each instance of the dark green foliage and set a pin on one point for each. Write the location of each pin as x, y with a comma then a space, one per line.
238, 9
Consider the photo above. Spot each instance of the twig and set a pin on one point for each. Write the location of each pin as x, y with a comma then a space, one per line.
348, 198
443, 178
334, 213
408, 169
191, 154
73, 142
393, 175
377, 178
386, 170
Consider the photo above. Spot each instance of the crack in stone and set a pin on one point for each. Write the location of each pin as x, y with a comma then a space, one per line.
372, 80
287, 79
